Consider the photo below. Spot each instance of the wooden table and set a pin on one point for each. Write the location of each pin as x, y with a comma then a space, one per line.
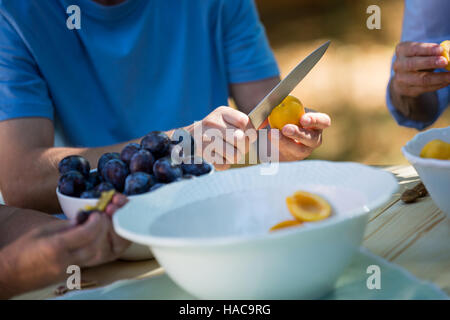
414, 236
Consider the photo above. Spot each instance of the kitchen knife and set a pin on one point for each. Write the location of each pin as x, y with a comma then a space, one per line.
260, 113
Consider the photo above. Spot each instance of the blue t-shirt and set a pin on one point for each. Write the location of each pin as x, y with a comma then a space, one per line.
132, 68
424, 21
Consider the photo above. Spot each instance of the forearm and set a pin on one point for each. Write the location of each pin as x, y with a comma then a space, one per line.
20, 272
34, 188
8, 285
16, 222
29, 162
247, 95
422, 108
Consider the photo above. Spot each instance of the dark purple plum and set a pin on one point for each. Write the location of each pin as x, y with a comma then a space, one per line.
157, 186
74, 163
89, 186
115, 171
128, 151
90, 194
104, 186
185, 140
138, 183
197, 169
72, 183
104, 159
83, 216
177, 151
94, 179
157, 142
142, 161
165, 171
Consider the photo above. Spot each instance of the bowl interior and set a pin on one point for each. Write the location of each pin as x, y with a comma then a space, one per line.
247, 212
242, 203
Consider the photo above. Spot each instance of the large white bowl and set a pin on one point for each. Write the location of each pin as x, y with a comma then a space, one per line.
434, 173
212, 236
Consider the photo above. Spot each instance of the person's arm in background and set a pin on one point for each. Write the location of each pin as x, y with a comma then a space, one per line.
412, 89
29, 162
416, 94
31, 258
253, 72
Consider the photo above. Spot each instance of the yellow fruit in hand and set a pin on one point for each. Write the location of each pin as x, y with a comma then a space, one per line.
446, 46
305, 206
286, 224
289, 111
436, 149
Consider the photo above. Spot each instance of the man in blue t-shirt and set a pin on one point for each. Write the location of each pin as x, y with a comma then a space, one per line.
417, 95
132, 67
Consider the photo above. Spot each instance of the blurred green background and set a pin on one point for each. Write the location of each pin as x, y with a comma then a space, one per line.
349, 83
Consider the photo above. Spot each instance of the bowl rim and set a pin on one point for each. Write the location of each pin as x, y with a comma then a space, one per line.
425, 162
190, 242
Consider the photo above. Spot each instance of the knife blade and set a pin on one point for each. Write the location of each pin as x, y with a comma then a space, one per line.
260, 113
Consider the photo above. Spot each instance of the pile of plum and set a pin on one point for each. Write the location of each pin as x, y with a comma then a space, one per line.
137, 169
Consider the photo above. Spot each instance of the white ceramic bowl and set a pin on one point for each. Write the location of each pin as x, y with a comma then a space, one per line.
434, 173
72, 205
212, 235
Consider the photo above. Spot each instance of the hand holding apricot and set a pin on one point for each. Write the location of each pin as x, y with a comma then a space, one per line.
297, 142
414, 66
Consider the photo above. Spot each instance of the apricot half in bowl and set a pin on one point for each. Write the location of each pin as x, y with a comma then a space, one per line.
306, 206
436, 149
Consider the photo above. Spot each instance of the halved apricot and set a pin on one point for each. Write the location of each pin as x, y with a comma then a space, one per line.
286, 224
436, 149
103, 202
446, 54
289, 111
305, 206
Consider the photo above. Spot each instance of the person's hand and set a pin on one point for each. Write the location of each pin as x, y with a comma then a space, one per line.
414, 66
296, 142
229, 126
41, 257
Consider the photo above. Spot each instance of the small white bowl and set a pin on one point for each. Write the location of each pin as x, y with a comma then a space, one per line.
72, 205
212, 235
434, 173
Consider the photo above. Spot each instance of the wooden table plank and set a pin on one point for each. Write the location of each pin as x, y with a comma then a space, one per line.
414, 236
